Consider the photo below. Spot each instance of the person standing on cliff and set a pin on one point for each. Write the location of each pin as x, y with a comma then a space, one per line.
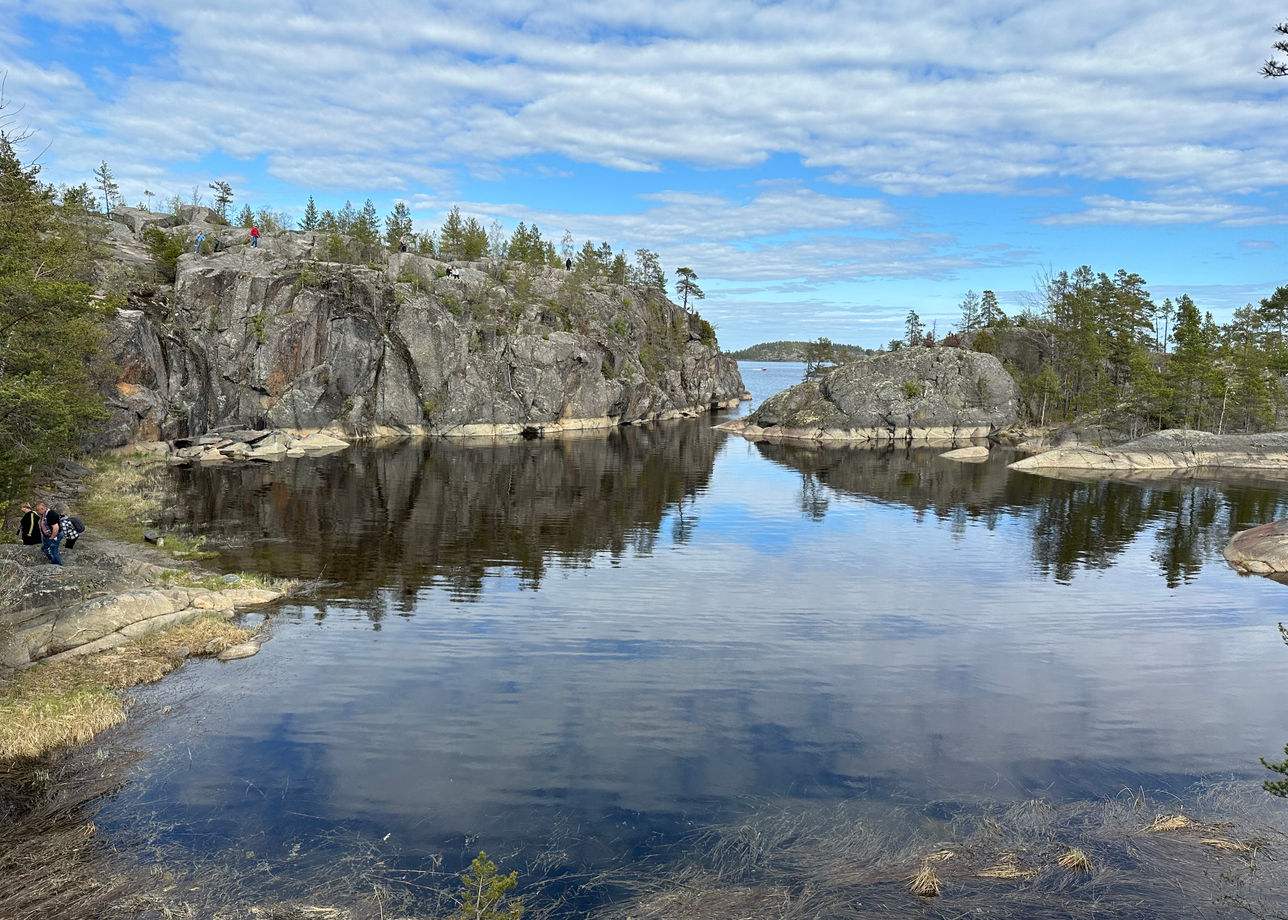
29, 526
201, 238
50, 532
254, 237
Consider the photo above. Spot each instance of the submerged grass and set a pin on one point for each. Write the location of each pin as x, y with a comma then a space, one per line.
867, 860
59, 703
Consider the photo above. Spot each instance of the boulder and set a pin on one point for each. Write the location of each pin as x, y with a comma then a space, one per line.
1262, 550
243, 650
320, 443
966, 454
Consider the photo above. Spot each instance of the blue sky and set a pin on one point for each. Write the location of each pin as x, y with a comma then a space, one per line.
823, 166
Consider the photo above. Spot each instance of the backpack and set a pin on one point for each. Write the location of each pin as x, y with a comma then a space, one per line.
66, 528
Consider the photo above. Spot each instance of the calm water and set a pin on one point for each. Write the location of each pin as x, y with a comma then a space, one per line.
598, 645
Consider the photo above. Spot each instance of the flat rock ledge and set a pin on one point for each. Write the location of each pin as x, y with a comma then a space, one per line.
1260, 551
74, 610
945, 436
1166, 452
976, 454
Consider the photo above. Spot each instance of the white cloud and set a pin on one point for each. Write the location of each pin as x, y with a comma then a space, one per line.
1106, 209
978, 97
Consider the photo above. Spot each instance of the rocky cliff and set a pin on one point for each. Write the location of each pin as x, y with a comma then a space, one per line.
933, 395
286, 336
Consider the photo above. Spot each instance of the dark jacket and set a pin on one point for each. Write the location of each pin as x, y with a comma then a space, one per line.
29, 528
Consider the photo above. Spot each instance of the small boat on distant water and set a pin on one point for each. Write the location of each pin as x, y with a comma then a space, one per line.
762, 368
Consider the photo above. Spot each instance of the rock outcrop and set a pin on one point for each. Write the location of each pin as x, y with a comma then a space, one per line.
283, 336
1165, 453
1262, 550
98, 599
914, 395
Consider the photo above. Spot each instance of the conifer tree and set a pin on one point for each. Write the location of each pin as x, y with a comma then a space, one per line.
473, 240
913, 327
223, 198
398, 225
106, 183
687, 285
451, 237
310, 219
49, 327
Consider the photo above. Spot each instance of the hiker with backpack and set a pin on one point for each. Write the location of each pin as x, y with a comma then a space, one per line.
72, 527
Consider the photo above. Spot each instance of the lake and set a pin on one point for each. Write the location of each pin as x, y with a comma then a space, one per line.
578, 654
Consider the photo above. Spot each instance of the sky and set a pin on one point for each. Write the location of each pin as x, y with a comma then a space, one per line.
824, 167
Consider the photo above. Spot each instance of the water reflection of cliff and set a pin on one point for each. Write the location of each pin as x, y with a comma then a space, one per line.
1075, 525
401, 518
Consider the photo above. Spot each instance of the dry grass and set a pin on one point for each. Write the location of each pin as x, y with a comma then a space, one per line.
52, 860
924, 884
120, 497
1074, 859
68, 702
1220, 843
1008, 867
1170, 823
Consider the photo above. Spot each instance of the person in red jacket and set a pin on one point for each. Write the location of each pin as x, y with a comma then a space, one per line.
254, 236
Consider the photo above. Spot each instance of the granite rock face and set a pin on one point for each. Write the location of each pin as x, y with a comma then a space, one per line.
932, 395
278, 337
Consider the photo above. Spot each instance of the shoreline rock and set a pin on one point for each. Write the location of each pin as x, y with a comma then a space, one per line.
1260, 550
1170, 452
105, 594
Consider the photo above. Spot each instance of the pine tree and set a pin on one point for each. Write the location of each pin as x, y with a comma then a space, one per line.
347, 218
485, 893
246, 217
990, 313
970, 313
473, 240
366, 226
106, 184
914, 329
648, 271
451, 237
687, 285
398, 225
50, 329
310, 220
223, 198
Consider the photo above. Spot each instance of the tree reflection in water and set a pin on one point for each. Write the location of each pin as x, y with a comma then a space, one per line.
1075, 525
384, 523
